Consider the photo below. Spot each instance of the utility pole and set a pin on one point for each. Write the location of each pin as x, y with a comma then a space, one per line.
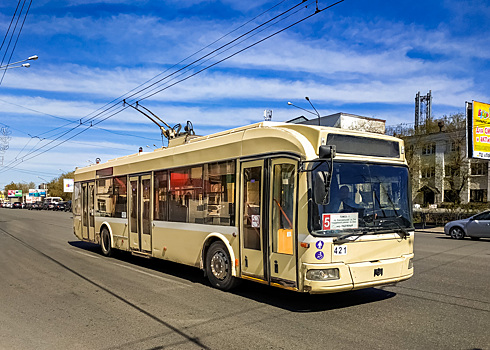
419, 100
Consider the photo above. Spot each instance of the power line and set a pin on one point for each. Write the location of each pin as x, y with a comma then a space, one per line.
98, 118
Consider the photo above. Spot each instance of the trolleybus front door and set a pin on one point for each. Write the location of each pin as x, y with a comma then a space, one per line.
139, 213
88, 219
282, 235
252, 257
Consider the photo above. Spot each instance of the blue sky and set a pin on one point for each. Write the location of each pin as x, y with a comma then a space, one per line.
362, 57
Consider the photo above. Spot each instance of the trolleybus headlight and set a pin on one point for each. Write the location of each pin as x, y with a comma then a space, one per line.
410, 263
322, 275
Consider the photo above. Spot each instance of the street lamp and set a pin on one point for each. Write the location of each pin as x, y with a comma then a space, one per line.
23, 65
45, 184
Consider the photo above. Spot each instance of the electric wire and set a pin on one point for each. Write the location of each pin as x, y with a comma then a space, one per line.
99, 117
115, 105
18, 35
8, 29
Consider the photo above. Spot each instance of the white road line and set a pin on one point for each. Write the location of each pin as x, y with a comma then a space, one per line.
89, 255
152, 275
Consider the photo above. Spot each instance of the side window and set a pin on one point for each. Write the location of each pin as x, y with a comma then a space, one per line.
120, 197
220, 193
161, 191
186, 195
77, 199
283, 208
104, 206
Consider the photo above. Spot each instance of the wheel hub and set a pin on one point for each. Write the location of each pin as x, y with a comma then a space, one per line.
219, 266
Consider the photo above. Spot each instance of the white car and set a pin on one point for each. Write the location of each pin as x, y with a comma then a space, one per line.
475, 227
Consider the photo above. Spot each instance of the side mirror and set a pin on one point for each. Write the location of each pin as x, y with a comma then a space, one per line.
320, 187
327, 152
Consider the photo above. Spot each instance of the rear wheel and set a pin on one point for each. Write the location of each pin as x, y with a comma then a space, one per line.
105, 242
218, 267
457, 233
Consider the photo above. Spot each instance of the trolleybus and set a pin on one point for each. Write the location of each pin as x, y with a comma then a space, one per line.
307, 208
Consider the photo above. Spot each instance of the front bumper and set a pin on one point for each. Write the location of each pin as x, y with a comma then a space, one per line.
359, 275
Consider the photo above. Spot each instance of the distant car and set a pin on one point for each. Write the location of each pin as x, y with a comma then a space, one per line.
17, 205
68, 206
60, 206
475, 227
35, 206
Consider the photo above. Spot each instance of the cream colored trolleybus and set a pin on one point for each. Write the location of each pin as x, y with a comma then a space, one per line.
307, 208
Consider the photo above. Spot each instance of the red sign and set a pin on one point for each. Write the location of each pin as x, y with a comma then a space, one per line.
326, 221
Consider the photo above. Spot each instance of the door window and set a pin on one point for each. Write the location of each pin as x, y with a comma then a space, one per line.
251, 207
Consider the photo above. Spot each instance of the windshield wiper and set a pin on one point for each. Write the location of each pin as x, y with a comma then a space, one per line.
344, 238
394, 221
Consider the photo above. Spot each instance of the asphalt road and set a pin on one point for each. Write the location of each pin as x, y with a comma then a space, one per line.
59, 293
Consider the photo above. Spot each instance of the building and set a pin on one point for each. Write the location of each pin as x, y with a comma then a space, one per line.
441, 172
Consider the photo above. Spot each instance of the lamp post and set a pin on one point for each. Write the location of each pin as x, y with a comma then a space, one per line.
23, 65
45, 183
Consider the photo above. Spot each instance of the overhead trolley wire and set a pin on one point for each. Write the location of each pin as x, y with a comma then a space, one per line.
99, 117
100, 114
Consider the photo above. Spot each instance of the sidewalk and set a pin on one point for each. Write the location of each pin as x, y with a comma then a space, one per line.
431, 229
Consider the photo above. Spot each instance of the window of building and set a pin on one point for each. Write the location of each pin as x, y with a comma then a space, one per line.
429, 148
479, 168
455, 146
451, 171
478, 195
428, 172
450, 196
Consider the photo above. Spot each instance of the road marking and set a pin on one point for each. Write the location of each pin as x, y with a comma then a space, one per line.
89, 255
152, 275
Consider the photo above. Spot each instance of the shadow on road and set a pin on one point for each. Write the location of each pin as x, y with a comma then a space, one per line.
280, 298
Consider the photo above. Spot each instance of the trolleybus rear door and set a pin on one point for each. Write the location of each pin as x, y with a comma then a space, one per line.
252, 258
88, 219
282, 235
139, 213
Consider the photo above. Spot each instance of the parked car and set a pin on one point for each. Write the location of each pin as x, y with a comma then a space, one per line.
60, 206
35, 206
17, 205
68, 206
475, 227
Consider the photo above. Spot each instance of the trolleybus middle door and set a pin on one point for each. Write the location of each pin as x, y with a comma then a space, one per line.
140, 211
252, 258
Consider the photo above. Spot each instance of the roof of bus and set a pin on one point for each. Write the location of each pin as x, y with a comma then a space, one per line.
255, 139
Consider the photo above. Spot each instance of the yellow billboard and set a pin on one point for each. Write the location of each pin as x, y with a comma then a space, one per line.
481, 130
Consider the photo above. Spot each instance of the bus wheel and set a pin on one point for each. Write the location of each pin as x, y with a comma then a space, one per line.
105, 242
218, 267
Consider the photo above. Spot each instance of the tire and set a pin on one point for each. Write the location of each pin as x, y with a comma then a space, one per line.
105, 242
457, 233
218, 267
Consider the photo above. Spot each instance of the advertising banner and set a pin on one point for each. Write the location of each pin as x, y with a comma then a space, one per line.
14, 193
37, 193
68, 185
480, 130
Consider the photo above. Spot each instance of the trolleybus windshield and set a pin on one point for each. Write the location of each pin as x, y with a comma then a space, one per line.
361, 198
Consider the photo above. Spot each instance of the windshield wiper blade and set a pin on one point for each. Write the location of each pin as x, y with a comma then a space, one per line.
343, 238
394, 221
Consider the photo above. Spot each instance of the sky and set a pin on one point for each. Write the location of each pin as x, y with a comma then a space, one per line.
361, 57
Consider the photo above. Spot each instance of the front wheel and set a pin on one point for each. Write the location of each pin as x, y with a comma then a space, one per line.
105, 242
457, 233
218, 267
